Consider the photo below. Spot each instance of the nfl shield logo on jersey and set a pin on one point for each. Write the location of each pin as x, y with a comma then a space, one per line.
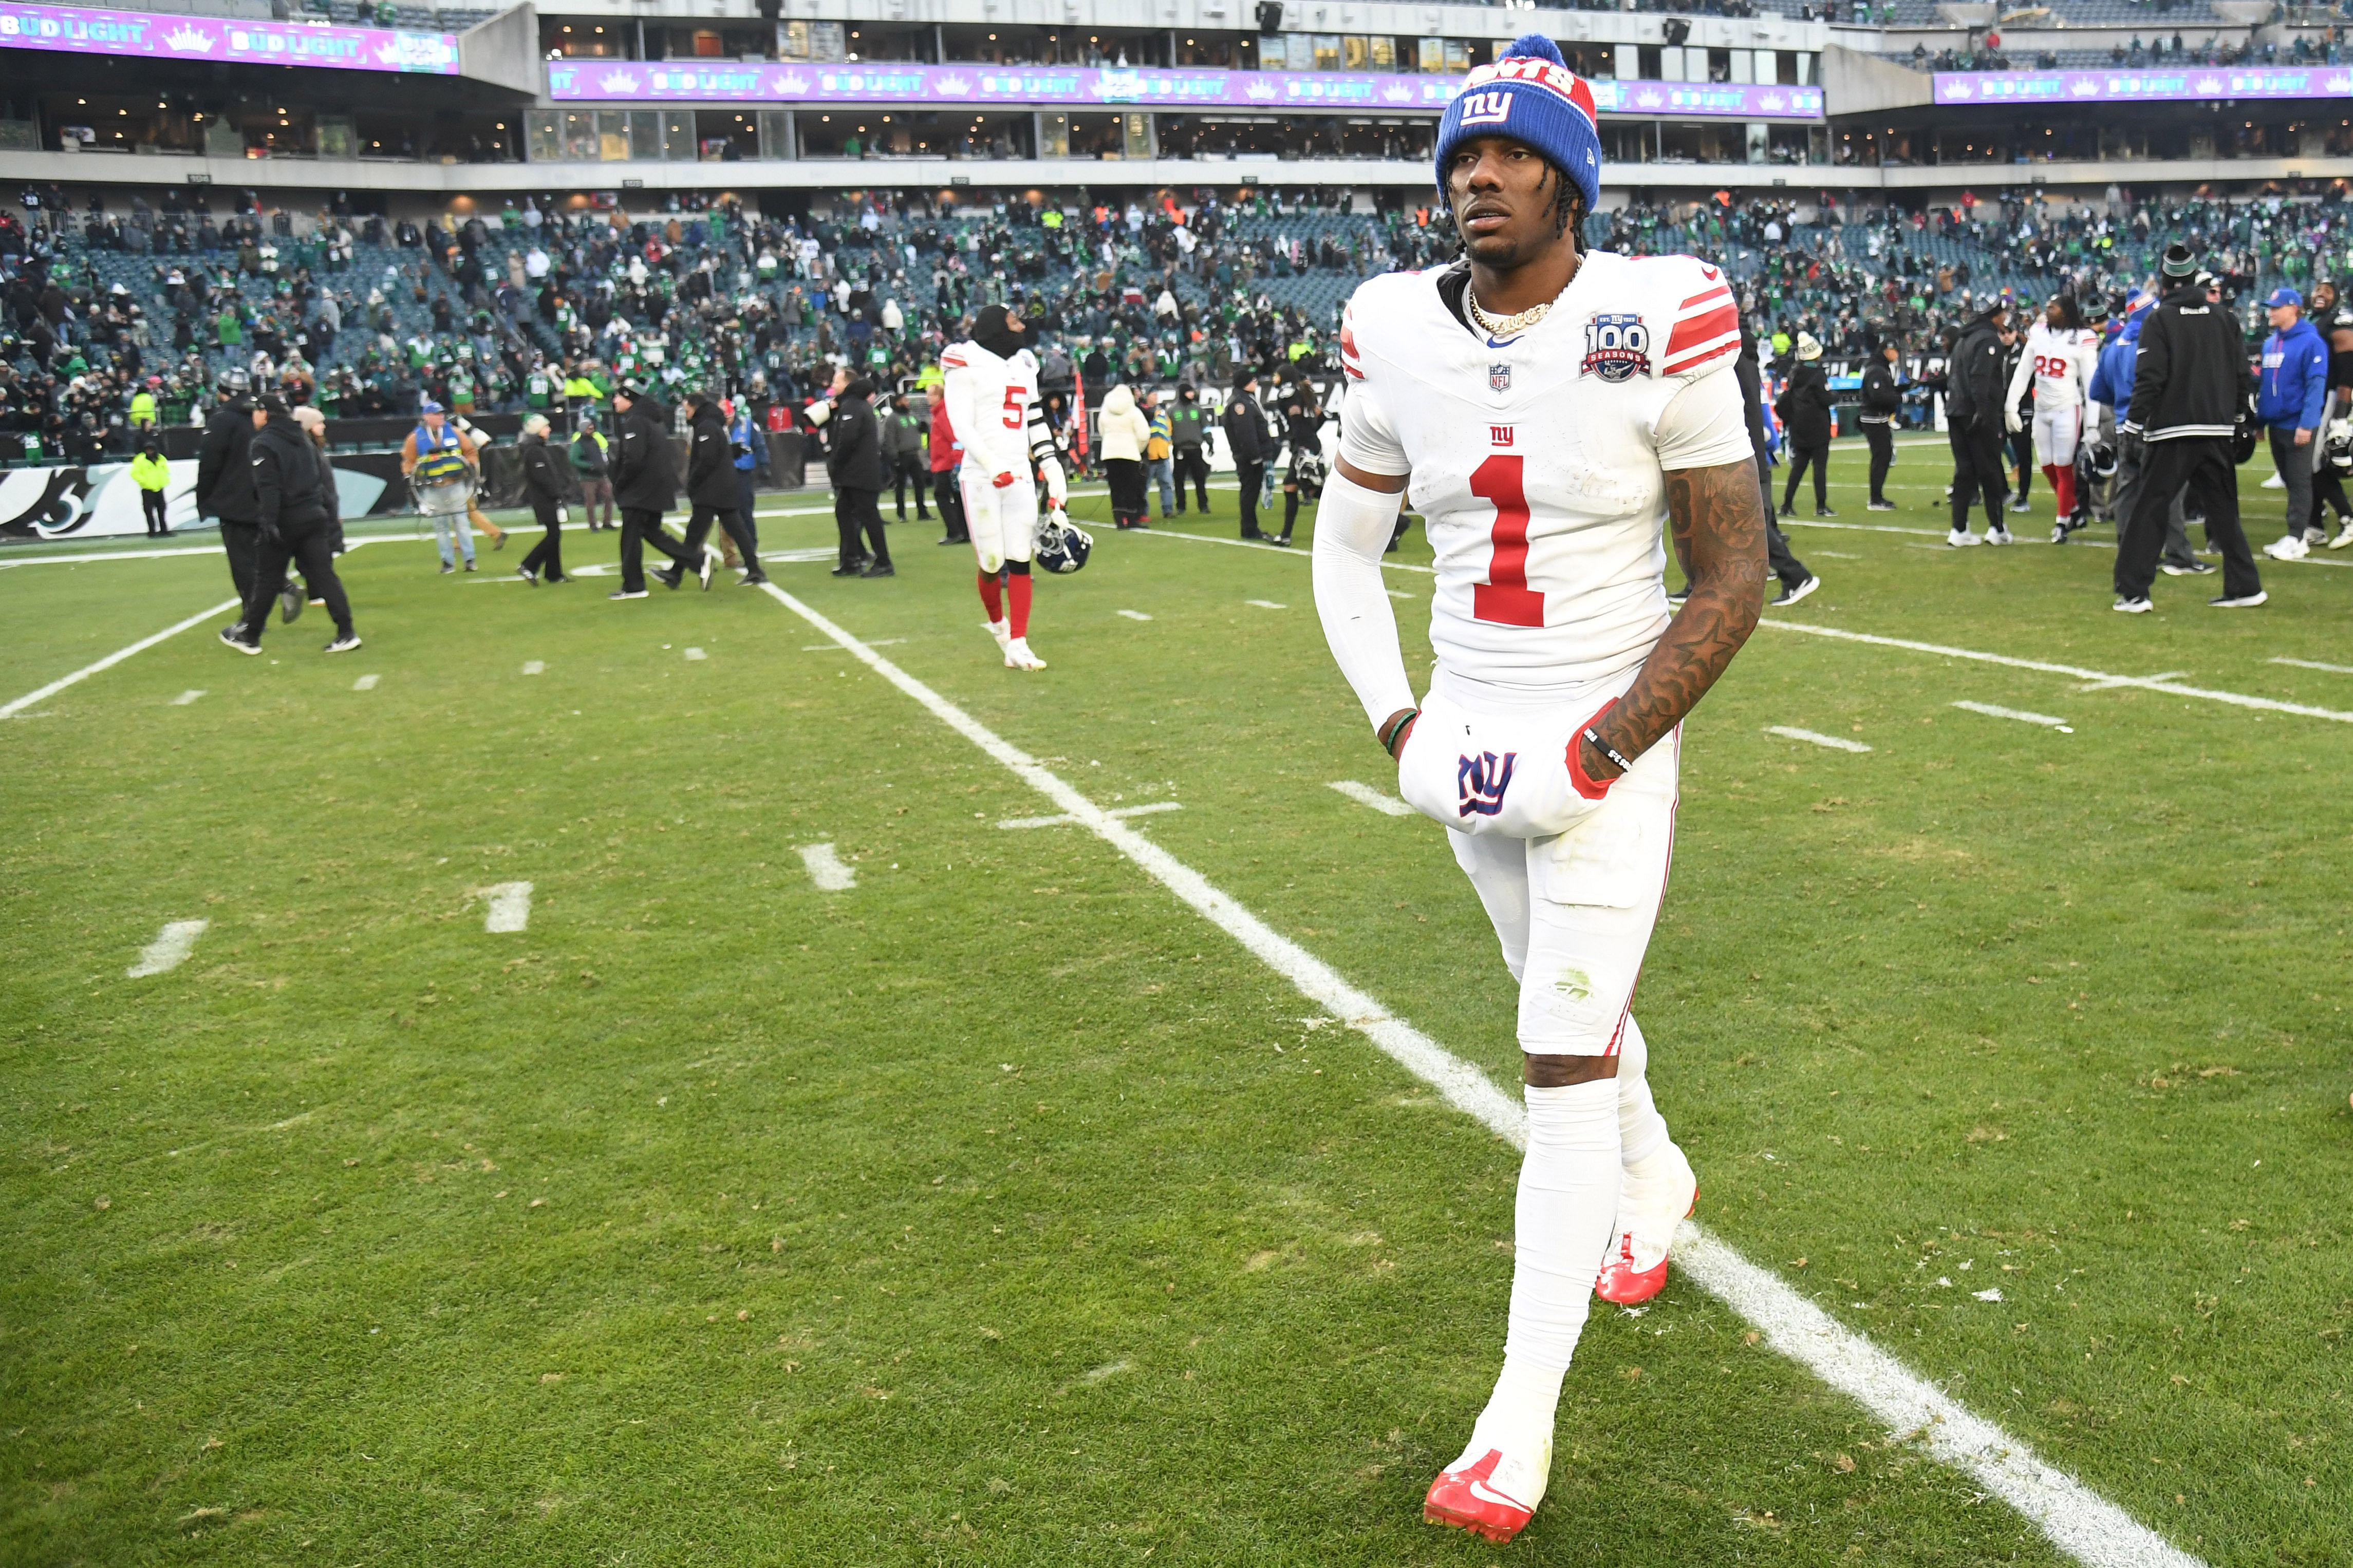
1617, 347
1499, 378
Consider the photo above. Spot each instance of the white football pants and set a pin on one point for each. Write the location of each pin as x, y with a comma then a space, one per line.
2056, 433
1003, 522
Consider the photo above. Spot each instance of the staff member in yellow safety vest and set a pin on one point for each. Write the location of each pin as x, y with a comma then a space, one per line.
439, 461
143, 406
152, 472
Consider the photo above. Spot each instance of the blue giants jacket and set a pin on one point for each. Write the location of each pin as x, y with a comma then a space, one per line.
2112, 378
2294, 387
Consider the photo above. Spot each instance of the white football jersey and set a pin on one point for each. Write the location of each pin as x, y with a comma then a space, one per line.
2060, 362
1540, 461
989, 402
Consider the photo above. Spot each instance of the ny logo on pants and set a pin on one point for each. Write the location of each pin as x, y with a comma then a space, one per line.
1482, 781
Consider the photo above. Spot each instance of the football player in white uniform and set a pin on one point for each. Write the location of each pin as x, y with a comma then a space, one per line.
991, 390
1551, 411
2059, 358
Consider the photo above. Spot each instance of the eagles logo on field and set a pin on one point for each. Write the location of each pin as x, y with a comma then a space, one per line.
1616, 348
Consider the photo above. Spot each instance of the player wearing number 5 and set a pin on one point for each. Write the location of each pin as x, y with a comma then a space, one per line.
1552, 411
991, 387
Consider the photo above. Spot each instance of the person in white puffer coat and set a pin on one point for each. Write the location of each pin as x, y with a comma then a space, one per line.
1125, 430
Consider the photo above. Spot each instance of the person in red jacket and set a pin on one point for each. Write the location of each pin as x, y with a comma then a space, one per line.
946, 453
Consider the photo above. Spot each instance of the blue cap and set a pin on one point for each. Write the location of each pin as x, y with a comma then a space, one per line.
1531, 96
2284, 296
428, 406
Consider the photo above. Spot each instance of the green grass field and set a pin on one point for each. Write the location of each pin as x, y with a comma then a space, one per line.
1001, 1210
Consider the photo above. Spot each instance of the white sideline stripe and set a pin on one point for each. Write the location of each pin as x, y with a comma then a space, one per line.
1995, 710
2149, 683
826, 870
184, 697
10, 710
1147, 809
1366, 795
168, 950
2078, 1520
1136, 615
366, 682
2309, 664
534, 667
1835, 742
510, 906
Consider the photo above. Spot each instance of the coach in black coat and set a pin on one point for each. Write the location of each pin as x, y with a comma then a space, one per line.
1805, 410
645, 483
714, 487
1976, 384
543, 487
853, 462
1245, 427
294, 521
225, 485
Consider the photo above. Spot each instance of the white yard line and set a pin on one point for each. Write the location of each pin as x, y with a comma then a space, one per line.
2078, 1520
1835, 742
534, 667
2146, 683
1366, 795
168, 950
1265, 604
1147, 809
1134, 615
826, 870
184, 697
366, 682
836, 647
510, 906
1995, 710
9, 710
2309, 664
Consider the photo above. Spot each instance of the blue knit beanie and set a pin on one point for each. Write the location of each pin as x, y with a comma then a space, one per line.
1531, 96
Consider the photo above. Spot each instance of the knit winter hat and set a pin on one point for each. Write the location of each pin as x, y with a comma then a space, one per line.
1531, 96
2180, 261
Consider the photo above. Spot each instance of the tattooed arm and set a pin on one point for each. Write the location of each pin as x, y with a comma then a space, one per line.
1716, 518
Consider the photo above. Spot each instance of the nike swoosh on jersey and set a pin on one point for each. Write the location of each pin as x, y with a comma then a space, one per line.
1505, 343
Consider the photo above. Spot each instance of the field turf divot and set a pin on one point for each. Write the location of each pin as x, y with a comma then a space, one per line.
2076, 1519
168, 950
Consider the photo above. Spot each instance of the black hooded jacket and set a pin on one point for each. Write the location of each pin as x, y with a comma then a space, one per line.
1976, 376
2191, 377
224, 467
287, 496
854, 461
710, 460
645, 471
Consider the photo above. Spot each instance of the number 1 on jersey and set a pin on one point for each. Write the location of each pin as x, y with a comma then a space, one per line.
1505, 599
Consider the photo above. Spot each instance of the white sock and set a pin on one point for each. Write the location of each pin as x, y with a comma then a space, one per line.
1566, 1217
1641, 1128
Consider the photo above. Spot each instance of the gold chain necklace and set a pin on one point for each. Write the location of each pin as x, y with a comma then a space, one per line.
1505, 326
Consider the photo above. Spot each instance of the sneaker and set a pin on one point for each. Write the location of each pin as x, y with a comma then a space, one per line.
498, 541
2227, 602
1649, 1207
1281, 540
1492, 1490
2344, 535
469, 565
951, 541
880, 568
1018, 656
706, 566
627, 593
2316, 536
852, 570
2184, 568
2289, 547
290, 600
753, 580
446, 569
1824, 511
1999, 535
2021, 504
1881, 506
344, 642
1961, 538
2059, 532
1792, 593
668, 576
2131, 606
528, 575
234, 637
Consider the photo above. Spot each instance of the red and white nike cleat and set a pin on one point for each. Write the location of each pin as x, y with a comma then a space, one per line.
1650, 1205
1489, 1491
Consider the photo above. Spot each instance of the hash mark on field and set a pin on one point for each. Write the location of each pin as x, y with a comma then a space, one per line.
366, 682
1266, 604
534, 667
1136, 615
1834, 742
2077, 1520
1993, 711
168, 950
1066, 820
1401, 594
1366, 795
510, 906
2310, 664
826, 870
184, 697
2118, 682
696, 653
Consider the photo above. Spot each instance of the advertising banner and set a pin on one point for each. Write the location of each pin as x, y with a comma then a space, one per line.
77, 30
1079, 86
2166, 84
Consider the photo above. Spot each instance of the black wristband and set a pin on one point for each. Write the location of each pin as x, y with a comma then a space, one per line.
1607, 749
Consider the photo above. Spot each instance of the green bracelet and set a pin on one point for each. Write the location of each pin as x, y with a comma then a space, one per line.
1397, 727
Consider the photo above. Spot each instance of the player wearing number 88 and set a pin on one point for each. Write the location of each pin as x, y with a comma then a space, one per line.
1553, 413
